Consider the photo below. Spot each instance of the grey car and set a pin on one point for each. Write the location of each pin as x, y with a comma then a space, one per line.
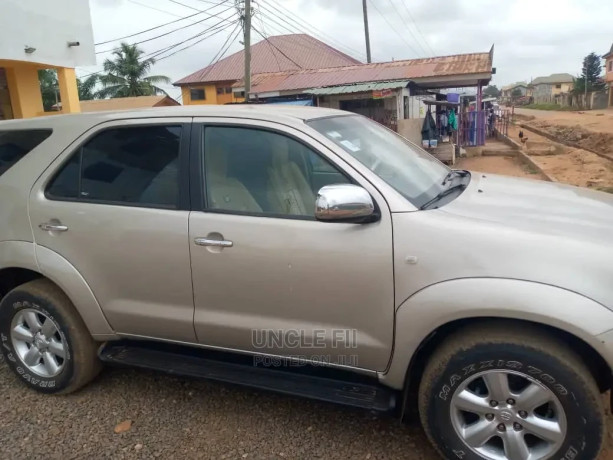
315, 253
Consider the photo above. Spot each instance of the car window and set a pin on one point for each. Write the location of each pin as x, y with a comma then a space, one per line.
136, 165
16, 144
256, 171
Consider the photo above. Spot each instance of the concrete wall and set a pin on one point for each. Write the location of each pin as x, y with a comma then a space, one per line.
608, 76
411, 129
47, 26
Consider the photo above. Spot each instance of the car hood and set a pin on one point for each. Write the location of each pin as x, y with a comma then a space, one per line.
537, 206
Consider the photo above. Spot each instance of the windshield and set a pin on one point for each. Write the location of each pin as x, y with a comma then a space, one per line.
408, 169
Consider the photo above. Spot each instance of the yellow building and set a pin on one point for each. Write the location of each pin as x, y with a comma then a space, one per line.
282, 53
36, 35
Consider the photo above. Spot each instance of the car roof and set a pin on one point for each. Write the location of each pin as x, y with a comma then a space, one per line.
264, 112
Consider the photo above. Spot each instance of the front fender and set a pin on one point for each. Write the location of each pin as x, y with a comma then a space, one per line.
441, 303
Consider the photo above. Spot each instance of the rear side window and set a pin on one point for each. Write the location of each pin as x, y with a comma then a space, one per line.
137, 166
14, 145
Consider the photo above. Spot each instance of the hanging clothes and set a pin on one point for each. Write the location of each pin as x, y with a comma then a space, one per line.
428, 129
453, 121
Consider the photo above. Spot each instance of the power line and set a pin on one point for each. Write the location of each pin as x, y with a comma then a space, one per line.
393, 28
302, 24
174, 30
417, 27
410, 31
154, 28
270, 43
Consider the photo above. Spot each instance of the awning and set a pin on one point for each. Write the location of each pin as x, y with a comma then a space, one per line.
298, 102
359, 87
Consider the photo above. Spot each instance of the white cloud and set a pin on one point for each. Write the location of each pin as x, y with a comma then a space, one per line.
531, 37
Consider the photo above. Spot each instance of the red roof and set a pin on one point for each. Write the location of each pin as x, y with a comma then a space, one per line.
413, 69
278, 53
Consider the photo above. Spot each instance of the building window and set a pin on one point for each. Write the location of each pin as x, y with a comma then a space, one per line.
610, 66
240, 94
228, 90
559, 86
197, 94
219, 91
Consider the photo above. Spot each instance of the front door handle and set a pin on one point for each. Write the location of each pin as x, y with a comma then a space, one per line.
53, 227
210, 242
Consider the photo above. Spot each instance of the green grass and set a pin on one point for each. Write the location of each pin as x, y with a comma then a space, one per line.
547, 107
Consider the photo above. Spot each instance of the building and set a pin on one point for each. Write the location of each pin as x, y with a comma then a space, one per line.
548, 90
608, 76
127, 103
213, 84
509, 92
39, 34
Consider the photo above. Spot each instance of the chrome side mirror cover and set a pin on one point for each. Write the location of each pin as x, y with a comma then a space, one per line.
345, 203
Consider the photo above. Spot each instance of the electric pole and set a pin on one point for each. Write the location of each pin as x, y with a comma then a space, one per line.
366, 34
247, 30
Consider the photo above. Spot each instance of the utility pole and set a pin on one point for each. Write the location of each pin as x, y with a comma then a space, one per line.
585, 83
366, 34
247, 30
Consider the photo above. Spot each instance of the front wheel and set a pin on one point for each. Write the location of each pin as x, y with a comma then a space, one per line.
490, 392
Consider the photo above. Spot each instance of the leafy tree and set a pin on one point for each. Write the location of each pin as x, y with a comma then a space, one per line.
49, 88
591, 71
87, 87
126, 74
492, 91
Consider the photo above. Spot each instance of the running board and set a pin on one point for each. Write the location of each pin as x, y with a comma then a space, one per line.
192, 362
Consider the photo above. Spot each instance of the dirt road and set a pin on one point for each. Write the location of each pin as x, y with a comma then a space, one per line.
600, 121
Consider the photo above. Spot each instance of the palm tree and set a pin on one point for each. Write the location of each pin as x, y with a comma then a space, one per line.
87, 87
126, 74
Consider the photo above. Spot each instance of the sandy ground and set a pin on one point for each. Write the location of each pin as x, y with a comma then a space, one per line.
507, 166
567, 164
600, 121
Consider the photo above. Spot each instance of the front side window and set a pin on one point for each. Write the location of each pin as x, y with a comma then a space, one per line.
16, 144
412, 172
263, 172
137, 166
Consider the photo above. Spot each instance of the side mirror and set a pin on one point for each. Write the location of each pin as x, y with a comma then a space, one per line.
345, 203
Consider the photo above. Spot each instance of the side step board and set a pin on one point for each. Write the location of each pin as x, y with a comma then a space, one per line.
189, 362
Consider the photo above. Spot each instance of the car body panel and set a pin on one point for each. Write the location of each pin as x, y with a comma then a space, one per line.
439, 304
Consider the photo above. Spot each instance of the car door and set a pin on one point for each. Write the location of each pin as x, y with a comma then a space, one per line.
270, 279
115, 204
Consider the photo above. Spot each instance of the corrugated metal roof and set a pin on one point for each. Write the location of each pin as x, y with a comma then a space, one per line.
442, 66
278, 53
358, 88
554, 78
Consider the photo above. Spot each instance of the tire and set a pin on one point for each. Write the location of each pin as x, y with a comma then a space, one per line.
477, 361
55, 357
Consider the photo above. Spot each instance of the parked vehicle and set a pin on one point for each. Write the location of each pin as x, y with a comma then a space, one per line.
312, 252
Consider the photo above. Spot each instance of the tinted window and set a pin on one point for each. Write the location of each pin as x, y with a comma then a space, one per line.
14, 145
255, 171
137, 165
197, 94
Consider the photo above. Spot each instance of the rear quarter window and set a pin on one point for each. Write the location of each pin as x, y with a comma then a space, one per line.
16, 144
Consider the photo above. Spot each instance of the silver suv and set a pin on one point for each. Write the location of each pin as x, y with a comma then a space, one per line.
311, 252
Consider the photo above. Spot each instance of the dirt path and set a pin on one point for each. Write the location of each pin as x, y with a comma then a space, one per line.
599, 121
567, 164
507, 166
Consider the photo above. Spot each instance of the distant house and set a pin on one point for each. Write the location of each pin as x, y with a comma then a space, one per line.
608, 57
127, 103
548, 89
508, 90
213, 84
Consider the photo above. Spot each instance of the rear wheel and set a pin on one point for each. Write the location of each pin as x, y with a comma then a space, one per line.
493, 393
44, 340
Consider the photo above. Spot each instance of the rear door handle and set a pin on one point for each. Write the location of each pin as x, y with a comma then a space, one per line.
53, 227
217, 243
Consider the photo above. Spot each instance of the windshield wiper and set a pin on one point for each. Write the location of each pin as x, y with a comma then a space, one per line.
455, 173
443, 194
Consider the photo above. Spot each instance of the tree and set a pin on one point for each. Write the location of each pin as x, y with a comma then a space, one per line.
491, 91
49, 88
591, 71
126, 74
87, 88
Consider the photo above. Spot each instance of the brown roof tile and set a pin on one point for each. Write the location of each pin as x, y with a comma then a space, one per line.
278, 53
460, 64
